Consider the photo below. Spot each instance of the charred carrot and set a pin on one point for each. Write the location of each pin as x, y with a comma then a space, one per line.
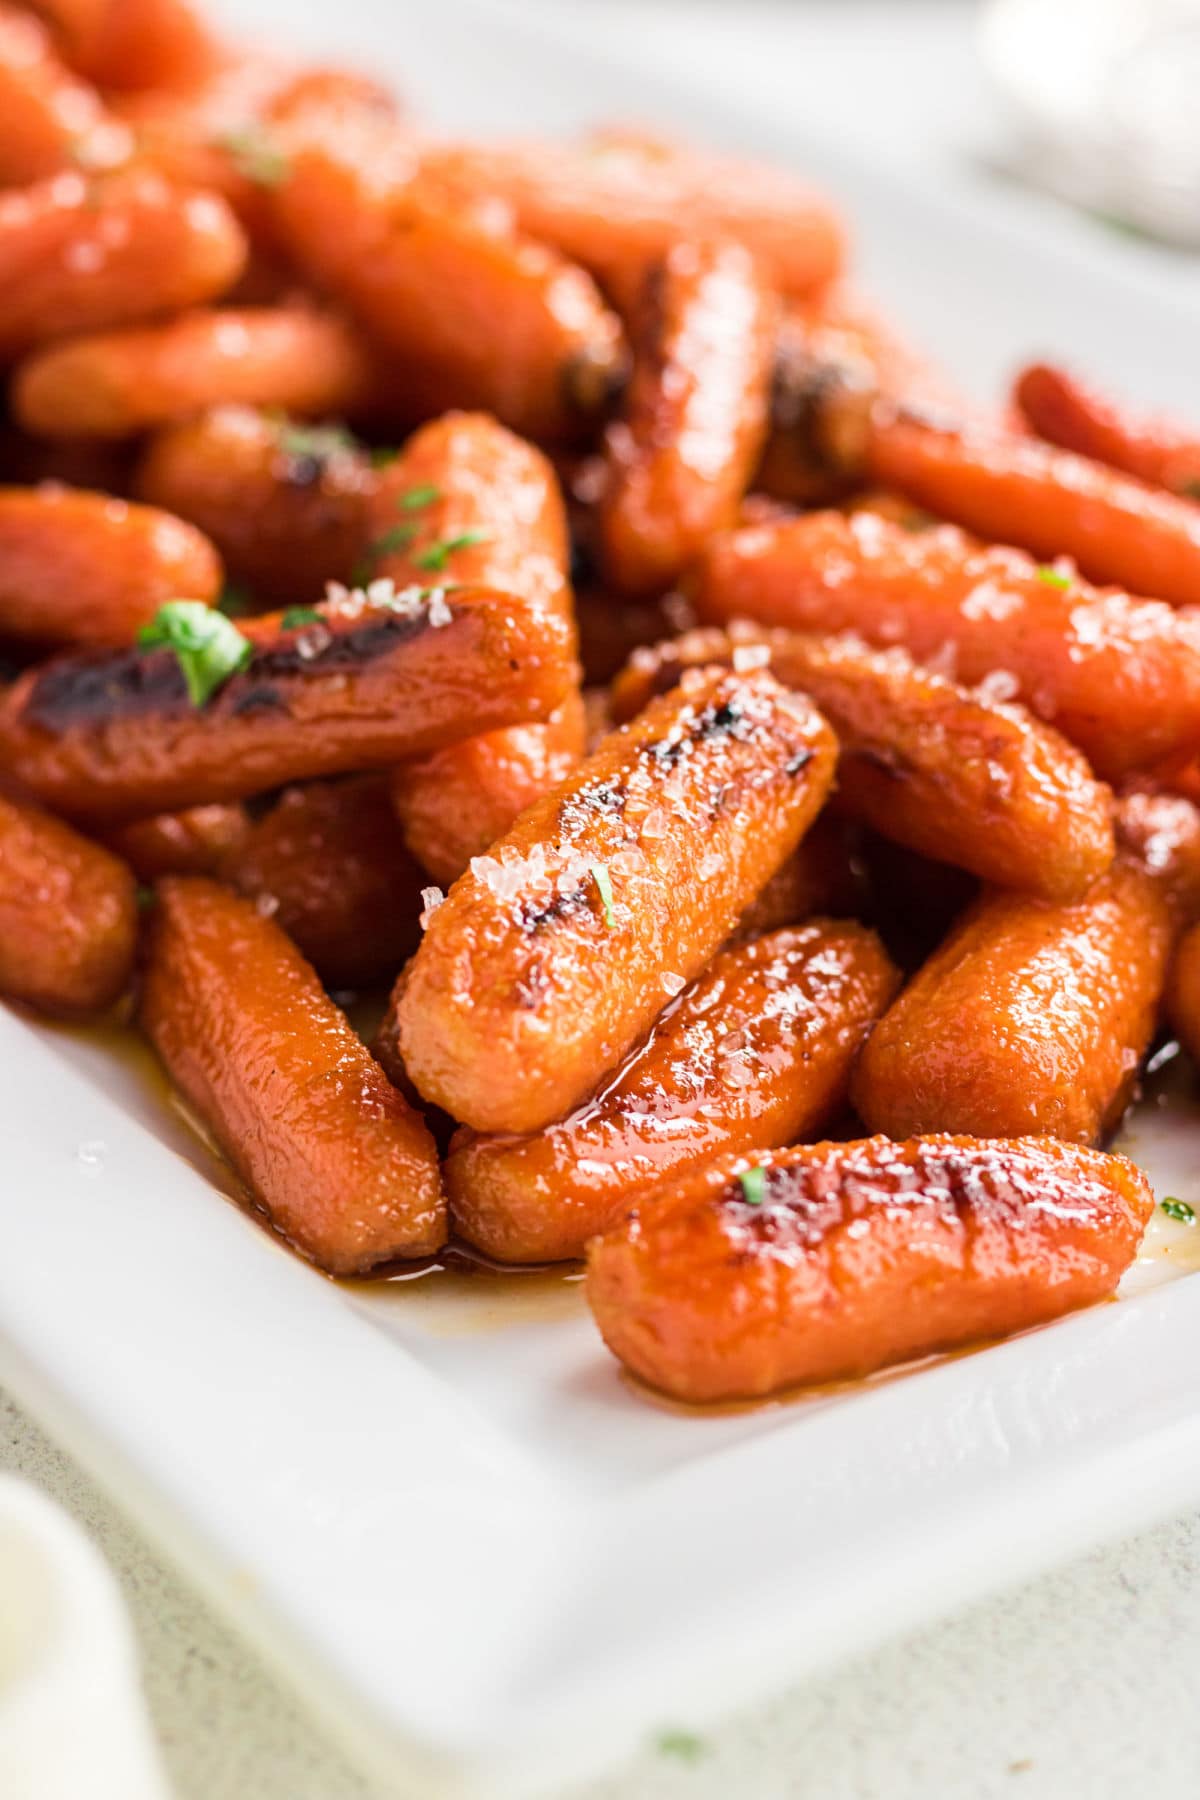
757, 1052
553, 954
68, 915
340, 1163
831, 1260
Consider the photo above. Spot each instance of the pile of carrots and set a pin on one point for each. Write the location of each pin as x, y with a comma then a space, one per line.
526, 579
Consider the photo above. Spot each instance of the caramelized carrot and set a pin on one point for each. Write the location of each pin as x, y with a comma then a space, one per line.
1183, 993
80, 568
134, 43
340, 1163
84, 253
831, 1260
197, 841
52, 120
113, 384
1030, 1020
554, 954
1117, 676
114, 735
327, 864
1065, 412
285, 504
1161, 831
618, 203
757, 1052
953, 774
695, 414
1016, 491
474, 314
68, 915
469, 501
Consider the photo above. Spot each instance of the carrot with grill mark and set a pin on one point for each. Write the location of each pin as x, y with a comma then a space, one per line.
341, 1164
551, 956
831, 1260
757, 1052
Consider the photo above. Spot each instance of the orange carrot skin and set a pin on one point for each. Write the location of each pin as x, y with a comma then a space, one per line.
1161, 832
464, 481
197, 841
618, 203
695, 413
68, 915
757, 1052
86, 253
113, 384
822, 875
85, 569
1077, 418
135, 43
328, 865
340, 1163
286, 507
950, 773
858, 1255
475, 315
1049, 502
52, 120
531, 982
113, 735
1117, 676
1183, 993
1030, 1020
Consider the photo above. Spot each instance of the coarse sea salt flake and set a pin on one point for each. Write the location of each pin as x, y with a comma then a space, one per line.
672, 984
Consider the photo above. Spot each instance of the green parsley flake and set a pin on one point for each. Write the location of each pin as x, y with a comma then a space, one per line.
682, 1744
256, 155
753, 1183
1178, 1209
316, 443
296, 616
437, 555
1052, 577
416, 497
208, 647
235, 601
145, 896
603, 881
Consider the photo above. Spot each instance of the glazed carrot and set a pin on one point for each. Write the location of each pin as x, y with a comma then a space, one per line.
80, 568
474, 314
1030, 1020
327, 864
340, 1163
1016, 491
1065, 412
52, 120
115, 735
1183, 992
285, 503
117, 383
197, 841
618, 203
68, 915
831, 1260
757, 1052
695, 414
822, 875
468, 501
1117, 676
951, 773
84, 253
1161, 831
134, 43
555, 953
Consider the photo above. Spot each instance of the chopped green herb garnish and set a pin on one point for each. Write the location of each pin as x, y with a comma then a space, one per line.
1178, 1209
437, 555
1052, 577
145, 896
753, 1183
235, 601
256, 155
399, 537
603, 881
381, 456
416, 497
683, 1744
317, 442
295, 616
208, 646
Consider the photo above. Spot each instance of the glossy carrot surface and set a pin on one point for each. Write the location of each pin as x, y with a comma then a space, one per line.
1079, 418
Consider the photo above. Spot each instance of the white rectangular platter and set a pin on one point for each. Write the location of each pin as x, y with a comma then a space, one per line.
491, 1564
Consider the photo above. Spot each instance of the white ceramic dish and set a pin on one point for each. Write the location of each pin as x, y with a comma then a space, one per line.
489, 1563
